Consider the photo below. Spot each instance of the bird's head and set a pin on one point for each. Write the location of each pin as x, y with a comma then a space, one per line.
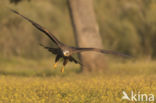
66, 53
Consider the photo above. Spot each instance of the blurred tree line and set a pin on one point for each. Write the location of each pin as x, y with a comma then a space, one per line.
127, 26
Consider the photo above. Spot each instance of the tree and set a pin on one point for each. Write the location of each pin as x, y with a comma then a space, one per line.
86, 32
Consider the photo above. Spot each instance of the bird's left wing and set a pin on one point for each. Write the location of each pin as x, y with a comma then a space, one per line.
78, 50
39, 27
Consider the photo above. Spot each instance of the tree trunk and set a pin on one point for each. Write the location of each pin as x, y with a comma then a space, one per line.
86, 33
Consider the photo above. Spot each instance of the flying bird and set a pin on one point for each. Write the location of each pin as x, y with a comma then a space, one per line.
62, 50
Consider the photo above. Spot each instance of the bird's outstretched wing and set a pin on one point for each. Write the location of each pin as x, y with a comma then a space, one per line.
50, 35
77, 50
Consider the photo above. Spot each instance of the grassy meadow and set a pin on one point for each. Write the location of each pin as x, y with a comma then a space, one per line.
36, 81
72, 89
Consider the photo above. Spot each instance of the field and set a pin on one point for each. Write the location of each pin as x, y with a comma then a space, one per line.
38, 82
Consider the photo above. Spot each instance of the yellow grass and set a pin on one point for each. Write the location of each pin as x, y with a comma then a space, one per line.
73, 89
35, 81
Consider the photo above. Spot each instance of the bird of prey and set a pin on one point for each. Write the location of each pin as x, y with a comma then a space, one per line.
64, 51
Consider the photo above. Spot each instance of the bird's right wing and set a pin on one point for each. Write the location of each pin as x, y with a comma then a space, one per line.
39, 27
77, 50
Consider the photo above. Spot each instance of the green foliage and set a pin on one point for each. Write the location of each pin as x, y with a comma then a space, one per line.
127, 26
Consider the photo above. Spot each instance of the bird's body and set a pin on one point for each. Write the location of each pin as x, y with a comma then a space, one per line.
64, 51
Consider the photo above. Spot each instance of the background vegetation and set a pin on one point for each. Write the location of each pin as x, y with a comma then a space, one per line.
126, 26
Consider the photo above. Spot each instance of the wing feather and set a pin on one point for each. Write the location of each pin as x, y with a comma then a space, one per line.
77, 50
39, 27
53, 50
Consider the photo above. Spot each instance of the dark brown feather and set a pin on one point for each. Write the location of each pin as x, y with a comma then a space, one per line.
53, 50
72, 59
77, 50
39, 27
